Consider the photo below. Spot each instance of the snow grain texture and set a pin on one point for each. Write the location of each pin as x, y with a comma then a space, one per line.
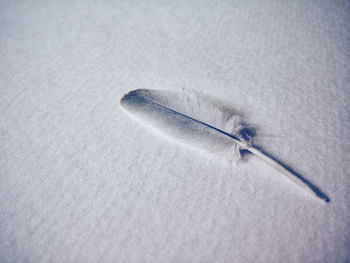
79, 182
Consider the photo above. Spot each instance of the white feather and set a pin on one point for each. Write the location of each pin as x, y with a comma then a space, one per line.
200, 123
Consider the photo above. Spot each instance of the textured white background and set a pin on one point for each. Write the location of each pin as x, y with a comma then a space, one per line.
80, 182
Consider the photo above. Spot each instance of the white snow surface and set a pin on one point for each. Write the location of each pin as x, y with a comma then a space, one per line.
81, 182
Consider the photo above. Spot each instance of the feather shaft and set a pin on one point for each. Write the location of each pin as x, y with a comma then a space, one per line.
288, 173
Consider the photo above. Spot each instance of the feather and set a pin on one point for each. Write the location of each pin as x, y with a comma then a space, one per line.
201, 123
